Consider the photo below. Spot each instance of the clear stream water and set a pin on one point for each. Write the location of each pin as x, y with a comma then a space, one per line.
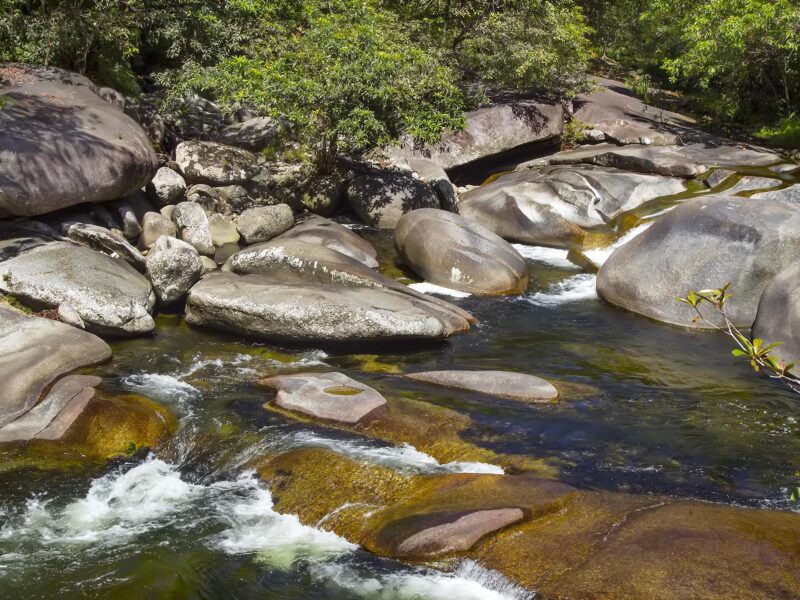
667, 411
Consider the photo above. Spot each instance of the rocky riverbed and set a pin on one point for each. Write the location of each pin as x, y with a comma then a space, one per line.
224, 375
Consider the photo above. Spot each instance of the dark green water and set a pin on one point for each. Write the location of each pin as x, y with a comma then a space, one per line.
657, 409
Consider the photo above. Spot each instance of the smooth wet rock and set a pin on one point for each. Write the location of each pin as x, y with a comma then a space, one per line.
503, 384
327, 396
173, 267
778, 316
490, 130
704, 243
53, 416
456, 532
166, 187
319, 231
101, 239
750, 183
34, 352
61, 144
214, 163
553, 205
789, 194
109, 295
380, 198
154, 225
448, 250
253, 305
263, 223
192, 224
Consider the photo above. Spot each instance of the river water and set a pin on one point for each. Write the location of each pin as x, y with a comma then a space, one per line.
662, 410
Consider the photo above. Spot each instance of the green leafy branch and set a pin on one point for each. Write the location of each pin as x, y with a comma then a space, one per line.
757, 352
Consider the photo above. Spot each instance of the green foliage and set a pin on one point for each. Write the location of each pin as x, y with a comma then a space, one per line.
641, 84
348, 78
786, 134
573, 133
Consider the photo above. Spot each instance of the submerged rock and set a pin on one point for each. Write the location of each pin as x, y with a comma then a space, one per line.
109, 295
62, 144
254, 305
704, 243
380, 198
504, 384
552, 205
448, 250
34, 352
327, 396
319, 231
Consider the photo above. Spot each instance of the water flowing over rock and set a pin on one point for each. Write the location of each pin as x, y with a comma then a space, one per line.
504, 384
327, 396
552, 205
319, 231
778, 317
704, 243
254, 305
34, 352
448, 250
109, 295
215, 164
61, 144
380, 198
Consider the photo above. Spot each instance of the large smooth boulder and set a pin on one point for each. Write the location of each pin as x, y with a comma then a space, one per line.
448, 250
380, 198
263, 223
323, 232
173, 267
213, 163
295, 262
490, 130
503, 384
778, 316
61, 144
254, 305
704, 243
553, 205
327, 396
110, 296
34, 352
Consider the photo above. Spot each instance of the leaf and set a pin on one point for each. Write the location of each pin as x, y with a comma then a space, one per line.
737, 352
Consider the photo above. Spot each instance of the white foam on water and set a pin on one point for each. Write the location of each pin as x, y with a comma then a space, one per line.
123, 505
402, 458
163, 387
431, 288
572, 289
600, 255
555, 257
469, 582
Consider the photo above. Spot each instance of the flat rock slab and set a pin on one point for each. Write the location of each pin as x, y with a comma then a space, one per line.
33, 353
503, 384
789, 194
750, 183
52, 417
328, 396
456, 533
256, 306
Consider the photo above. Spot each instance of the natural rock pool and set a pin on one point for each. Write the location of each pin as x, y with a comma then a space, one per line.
644, 409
